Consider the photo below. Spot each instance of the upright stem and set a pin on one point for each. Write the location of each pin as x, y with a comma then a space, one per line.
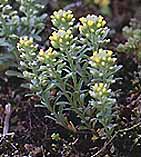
61, 83
74, 74
7, 118
74, 77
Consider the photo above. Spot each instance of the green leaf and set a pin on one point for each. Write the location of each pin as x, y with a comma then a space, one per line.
14, 73
4, 43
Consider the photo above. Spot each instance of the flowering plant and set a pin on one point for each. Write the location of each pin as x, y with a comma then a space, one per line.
73, 76
132, 47
133, 35
15, 23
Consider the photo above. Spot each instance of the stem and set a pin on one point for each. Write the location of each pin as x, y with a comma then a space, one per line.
107, 131
7, 118
28, 14
74, 75
60, 82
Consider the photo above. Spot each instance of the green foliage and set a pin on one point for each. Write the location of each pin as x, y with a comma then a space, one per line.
133, 36
133, 47
2, 2
102, 68
74, 74
15, 23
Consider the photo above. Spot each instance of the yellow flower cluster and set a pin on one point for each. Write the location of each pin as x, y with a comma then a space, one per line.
62, 19
90, 24
61, 38
25, 42
99, 90
102, 58
102, 3
46, 55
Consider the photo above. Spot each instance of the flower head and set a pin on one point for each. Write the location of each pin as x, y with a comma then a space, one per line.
25, 42
49, 54
26, 45
61, 38
102, 58
91, 24
62, 19
99, 90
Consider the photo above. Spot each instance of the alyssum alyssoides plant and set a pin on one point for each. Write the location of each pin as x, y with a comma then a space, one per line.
74, 75
133, 47
133, 35
25, 19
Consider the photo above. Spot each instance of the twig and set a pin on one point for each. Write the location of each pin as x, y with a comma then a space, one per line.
7, 118
109, 142
73, 5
